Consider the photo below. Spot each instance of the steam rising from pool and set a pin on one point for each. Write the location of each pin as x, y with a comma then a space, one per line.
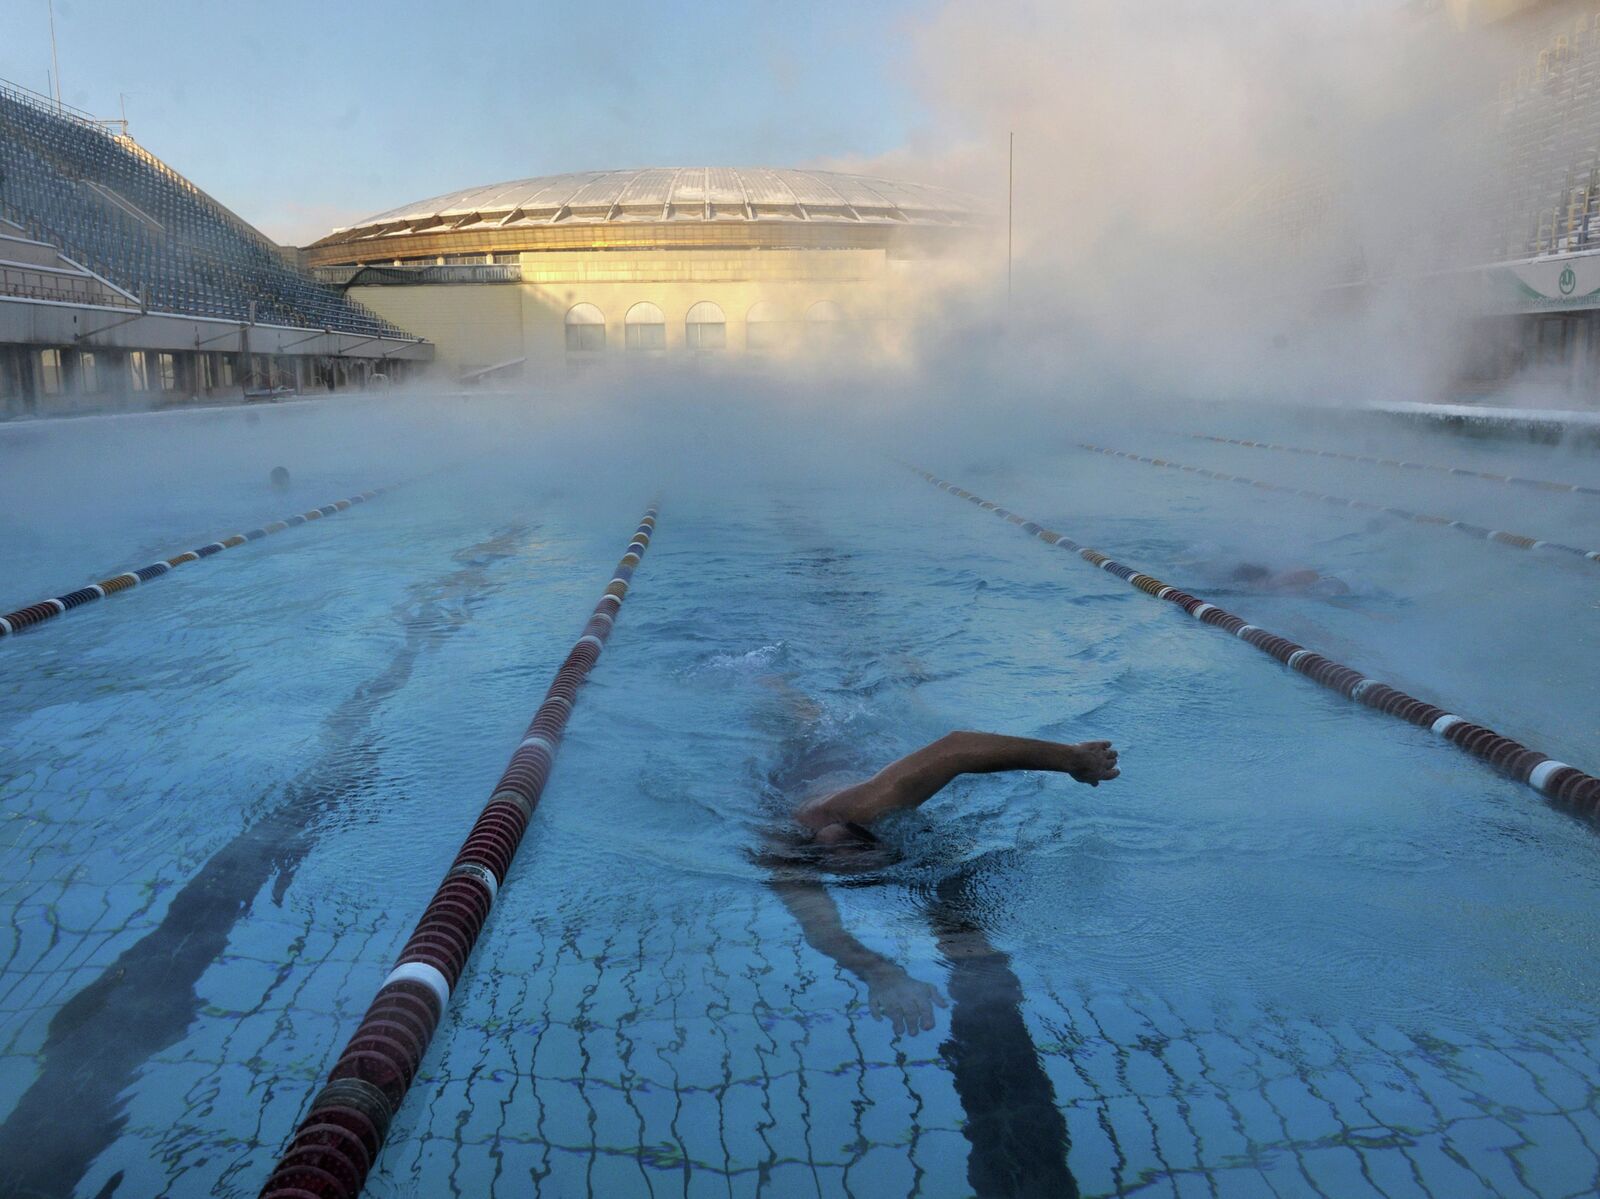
1199, 185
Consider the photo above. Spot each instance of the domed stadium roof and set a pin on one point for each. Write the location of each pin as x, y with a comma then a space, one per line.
674, 195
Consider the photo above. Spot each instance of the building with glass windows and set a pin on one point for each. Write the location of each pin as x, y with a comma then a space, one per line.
564, 271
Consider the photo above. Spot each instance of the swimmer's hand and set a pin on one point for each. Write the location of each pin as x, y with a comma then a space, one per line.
1093, 762
905, 1002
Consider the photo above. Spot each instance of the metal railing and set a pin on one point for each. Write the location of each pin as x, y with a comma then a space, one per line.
66, 112
390, 276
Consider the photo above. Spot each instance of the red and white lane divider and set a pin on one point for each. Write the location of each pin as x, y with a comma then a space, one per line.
335, 1146
1564, 785
1515, 540
1518, 480
24, 618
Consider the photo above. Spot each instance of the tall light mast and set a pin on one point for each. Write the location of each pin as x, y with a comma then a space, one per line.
1011, 175
55, 64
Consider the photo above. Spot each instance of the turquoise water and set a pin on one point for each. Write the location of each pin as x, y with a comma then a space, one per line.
1297, 949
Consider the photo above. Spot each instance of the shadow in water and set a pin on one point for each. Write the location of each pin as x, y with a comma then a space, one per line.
1018, 1135
146, 999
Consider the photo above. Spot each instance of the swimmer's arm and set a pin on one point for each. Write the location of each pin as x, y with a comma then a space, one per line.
893, 994
818, 916
918, 777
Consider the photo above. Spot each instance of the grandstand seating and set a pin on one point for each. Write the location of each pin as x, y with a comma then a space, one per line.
1548, 122
115, 208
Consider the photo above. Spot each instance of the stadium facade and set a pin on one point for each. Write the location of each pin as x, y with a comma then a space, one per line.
1541, 281
1504, 236
544, 275
122, 284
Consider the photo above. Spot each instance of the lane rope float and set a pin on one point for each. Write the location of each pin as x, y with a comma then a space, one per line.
1565, 786
335, 1145
49, 609
1541, 484
1499, 536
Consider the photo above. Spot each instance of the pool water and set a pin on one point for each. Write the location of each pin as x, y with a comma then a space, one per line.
1298, 948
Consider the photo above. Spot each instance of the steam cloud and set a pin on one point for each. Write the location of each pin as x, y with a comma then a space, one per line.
1195, 180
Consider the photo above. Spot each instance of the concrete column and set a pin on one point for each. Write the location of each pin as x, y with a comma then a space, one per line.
71, 374
14, 400
27, 379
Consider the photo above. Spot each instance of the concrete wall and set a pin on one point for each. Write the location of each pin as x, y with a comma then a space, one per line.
470, 325
475, 325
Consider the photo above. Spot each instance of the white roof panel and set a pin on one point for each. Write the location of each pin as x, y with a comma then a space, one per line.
599, 196
648, 188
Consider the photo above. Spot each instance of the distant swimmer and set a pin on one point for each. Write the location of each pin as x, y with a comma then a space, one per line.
280, 478
1297, 582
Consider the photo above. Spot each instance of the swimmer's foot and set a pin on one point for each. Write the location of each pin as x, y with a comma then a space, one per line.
1092, 762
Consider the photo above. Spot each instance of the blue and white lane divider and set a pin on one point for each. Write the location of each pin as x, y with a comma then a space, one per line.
34, 614
1500, 536
1565, 786
1515, 480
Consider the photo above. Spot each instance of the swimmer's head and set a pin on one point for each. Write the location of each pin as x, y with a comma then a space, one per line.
1250, 572
844, 848
849, 848
280, 478
845, 833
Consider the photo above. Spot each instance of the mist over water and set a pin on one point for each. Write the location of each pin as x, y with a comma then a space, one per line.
1191, 183
1271, 854
1197, 185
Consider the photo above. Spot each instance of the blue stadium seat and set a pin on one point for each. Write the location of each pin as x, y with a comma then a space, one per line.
121, 212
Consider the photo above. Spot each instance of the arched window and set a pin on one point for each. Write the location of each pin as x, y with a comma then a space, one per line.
645, 327
825, 325
586, 328
705, 327
763, 327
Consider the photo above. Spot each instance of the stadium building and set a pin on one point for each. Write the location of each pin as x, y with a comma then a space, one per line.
543, 275
1542, 274
1513, 240
124, 285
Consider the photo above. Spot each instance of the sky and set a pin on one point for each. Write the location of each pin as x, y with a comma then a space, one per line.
303, 115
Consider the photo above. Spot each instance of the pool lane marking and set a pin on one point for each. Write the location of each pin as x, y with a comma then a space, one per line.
1499, 536
1565, 786
1541, 484
371, 1077
48, 609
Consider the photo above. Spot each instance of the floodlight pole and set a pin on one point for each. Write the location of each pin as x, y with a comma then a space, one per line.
55, 64
1011, 175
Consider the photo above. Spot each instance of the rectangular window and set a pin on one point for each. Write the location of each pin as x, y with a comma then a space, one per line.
88, 373
586, 337
764, 335
139, 370
226, 373
50, 377
707, 336
647, 337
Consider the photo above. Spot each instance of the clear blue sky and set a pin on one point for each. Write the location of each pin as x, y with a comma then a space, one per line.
305, 114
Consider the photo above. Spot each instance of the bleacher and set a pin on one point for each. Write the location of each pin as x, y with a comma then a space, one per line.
1548, 131
110, 205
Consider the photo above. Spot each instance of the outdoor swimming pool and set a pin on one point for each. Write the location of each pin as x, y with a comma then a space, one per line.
1297, 949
